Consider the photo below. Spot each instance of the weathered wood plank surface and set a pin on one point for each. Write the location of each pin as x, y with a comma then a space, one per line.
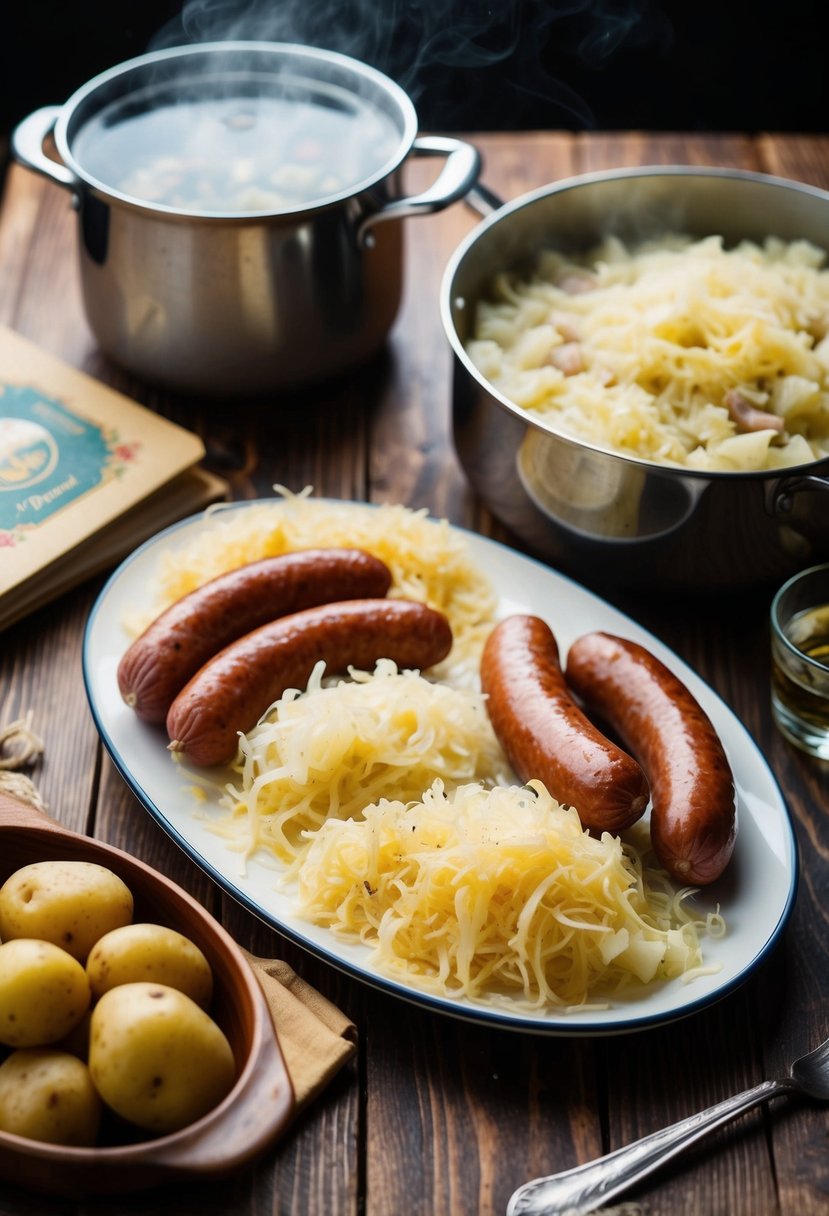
437, 1118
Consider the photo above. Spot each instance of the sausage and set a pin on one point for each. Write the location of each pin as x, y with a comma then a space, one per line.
172, 649
545, 734
233, 689
568, 358
693, 812
747, 417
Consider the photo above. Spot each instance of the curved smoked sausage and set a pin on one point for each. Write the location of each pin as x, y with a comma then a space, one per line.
693, 815
545, 734
230, 693
172, 649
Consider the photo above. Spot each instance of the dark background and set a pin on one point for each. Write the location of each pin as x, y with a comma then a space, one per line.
469, 65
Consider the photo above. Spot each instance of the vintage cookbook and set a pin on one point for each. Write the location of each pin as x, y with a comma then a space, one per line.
86, 474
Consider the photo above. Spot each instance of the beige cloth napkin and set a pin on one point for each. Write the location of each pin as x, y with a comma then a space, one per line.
315, 1037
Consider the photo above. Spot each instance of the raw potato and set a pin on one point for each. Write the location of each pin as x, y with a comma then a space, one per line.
156, 1058
70, 903
48, 1095
152, 953
44, 993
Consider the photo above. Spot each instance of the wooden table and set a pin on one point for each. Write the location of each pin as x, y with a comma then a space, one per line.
437, 1117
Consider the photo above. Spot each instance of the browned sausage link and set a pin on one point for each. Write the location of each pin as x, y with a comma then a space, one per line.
232, 691
160, 662
545, 734
693, 817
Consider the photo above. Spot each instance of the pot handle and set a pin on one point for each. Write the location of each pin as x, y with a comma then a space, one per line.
28, 138
459, 174
788, 488
483, 200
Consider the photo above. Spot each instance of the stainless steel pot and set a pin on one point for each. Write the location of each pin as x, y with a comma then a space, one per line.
606, 517
241, 302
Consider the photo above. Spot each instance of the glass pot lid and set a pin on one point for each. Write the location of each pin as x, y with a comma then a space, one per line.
229, 129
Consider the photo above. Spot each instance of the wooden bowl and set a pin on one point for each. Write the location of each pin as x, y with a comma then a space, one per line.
255, 1111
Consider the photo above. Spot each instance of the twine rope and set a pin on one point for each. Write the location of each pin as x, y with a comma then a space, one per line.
20, 748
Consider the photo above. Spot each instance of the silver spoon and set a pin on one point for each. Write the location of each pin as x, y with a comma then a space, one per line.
589, 1186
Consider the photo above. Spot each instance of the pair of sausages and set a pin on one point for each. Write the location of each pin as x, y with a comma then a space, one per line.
680, 761
214, 661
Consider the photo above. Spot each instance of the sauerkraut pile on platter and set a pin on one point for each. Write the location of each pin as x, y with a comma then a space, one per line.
678, 351
499, 892
388, 806
330, 751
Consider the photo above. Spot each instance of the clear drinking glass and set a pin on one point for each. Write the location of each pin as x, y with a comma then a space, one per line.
800, 660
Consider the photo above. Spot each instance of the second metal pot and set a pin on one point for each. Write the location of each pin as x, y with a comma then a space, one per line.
241, 302
609, 518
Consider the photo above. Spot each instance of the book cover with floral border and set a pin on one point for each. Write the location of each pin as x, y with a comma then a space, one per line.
75, 456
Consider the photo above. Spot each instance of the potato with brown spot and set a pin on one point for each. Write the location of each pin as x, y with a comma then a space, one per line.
69, 903
44, 993
153, 954
156, 1058
48, 1095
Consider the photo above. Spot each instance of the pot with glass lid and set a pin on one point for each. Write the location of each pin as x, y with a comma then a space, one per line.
238, 210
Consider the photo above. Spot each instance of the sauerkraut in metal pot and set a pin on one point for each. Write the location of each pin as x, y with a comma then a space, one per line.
678, 351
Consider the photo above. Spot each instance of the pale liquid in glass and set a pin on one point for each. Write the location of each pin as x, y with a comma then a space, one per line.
800, 689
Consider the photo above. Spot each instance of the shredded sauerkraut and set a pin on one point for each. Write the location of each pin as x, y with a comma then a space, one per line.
499, 893
332, 750
673, 351
427, 558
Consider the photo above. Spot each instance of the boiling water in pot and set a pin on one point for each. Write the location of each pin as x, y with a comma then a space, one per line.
238, 154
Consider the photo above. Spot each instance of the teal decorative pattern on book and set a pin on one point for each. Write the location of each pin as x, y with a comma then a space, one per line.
49, 456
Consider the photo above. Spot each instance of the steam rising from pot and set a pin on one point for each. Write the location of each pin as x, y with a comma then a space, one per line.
449, 57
